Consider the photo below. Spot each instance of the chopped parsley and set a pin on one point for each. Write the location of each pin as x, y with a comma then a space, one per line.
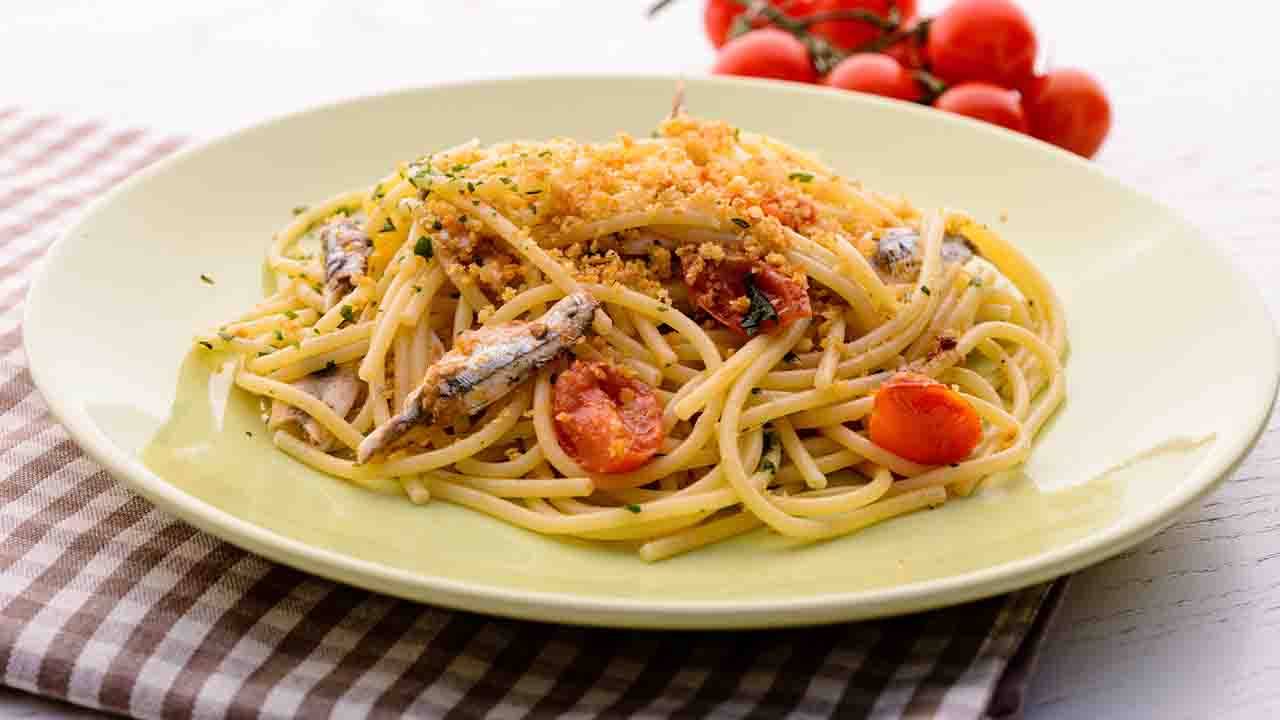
279, 336
291, 314
632, 507
423, 248
458, 168
248, 434
975, 282
737, 133
767, 465
347, 313
760, 311
925, 289
299, 209
532, 192
741, 223
206, 279
208, 345
545, 153
388, 226
504, 180
471, 187
803, 177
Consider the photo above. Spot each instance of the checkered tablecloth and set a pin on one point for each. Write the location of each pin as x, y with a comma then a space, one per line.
109, 603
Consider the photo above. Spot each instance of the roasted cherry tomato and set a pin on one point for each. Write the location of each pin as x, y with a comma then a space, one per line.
985, 102
608, 421
877, 74
922, 420
767, 53
1068, 108
774, 298
982, 41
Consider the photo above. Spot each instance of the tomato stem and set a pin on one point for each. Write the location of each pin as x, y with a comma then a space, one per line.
657, 7
822, 53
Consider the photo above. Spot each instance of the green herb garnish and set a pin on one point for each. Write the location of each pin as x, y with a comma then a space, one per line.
741, 223
291, 314
801, 177
760, 311
388, 226
208, 345
206, 279
423, 248
299, 209
633, 508
925, 289
347, 313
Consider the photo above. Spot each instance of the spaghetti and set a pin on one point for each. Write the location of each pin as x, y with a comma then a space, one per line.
664, 342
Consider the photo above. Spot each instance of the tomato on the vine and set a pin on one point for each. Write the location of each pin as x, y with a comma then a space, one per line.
718, 16
852, 34
910, 50
982, 41
1068, 108
766, 53
984, 101
875, 73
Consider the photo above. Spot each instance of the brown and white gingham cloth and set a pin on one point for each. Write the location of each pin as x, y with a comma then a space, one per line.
109, 603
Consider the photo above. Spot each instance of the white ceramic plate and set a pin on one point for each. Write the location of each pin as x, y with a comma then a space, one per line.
1168, 343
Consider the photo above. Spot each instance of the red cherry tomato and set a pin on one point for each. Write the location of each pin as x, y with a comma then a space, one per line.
924, 421
993, 104
720, 284
767, 53
606, 420
1068, 108
718, 16
982, 41
877, 74
909, 51
852, 34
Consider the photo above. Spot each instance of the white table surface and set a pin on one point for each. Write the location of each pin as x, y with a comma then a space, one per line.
1185, 625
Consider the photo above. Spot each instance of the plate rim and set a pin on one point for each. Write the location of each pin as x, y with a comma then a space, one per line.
579, 609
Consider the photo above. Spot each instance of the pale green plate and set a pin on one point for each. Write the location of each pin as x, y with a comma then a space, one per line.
1168, 343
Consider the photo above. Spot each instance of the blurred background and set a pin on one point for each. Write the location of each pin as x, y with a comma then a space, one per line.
1186, 622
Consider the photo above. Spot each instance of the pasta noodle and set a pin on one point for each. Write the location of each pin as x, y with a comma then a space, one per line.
663, 342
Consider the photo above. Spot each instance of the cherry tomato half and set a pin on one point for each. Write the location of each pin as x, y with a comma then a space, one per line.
875, 73
720, 284
982, 41
767, 53
922, 420
1068, 108
993, 104
608, 421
